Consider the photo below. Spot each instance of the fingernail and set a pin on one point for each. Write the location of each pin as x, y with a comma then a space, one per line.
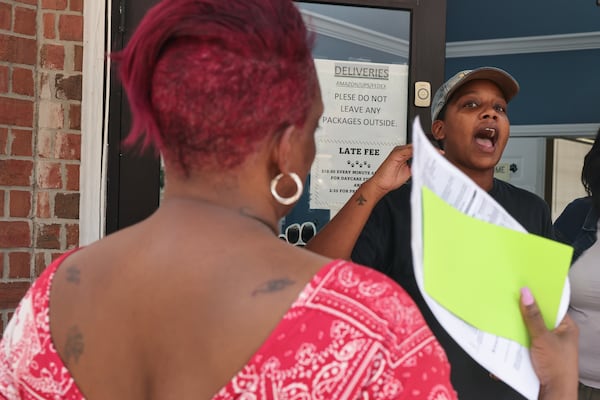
526, 296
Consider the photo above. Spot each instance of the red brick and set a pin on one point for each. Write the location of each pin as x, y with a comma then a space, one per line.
75, 116
14, 234
25, 21
54, 4
32, 2
68, 146
72, 235
5, 16
40, 263
23, 81
53, 56
20, 203
16, 112
43, 205
4, 75
22, 143
18, 50
78, 61
3, 141
48, 236
16, 172
49, 26
66, 205
68, 87
76, 5
70, 27
19, 265
49, 176
1, 209
11, 293
72, 177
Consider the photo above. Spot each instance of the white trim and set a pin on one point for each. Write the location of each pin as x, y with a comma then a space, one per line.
352, 33
555, 130
524, 45
91, 203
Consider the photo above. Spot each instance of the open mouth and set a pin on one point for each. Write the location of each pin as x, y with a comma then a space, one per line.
486, 138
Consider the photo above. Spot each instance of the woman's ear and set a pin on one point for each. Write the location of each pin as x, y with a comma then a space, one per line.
283, 149
437, 129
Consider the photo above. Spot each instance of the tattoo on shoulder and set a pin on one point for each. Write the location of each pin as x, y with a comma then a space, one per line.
361, 200
73, 274
74, 345
274, 285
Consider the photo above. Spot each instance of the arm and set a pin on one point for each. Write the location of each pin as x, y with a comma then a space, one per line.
337, 238
553, 353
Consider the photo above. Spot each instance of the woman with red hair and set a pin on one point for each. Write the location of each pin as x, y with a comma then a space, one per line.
173, 308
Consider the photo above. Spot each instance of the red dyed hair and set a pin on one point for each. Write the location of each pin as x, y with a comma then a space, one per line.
207, 79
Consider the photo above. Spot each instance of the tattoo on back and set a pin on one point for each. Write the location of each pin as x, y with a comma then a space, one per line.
361, 200
74, 345
274, 285
73, 274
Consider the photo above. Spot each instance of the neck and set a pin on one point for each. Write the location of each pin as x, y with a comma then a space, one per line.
243, 211
483, 179
250, 214
228, 195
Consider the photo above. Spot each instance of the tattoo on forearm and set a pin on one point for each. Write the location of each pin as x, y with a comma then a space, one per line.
73, 274
361, 200
74, 345
273, 286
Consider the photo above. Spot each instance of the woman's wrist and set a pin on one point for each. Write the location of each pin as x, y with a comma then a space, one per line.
563, 389
371, 191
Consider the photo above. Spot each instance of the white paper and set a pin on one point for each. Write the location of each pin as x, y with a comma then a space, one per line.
365, 117
506, 359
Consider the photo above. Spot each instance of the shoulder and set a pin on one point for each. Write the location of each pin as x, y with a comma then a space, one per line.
505, 190
579, 206
375, 309
529, 209
31, 324
380, 303
572, 218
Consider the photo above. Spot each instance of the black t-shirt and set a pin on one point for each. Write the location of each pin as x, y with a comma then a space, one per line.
385, 244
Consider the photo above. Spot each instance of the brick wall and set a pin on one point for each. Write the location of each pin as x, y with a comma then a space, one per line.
41, 53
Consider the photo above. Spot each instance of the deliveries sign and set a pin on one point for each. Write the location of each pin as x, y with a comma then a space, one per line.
364, 118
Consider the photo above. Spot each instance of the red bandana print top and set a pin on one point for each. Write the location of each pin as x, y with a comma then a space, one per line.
351, 334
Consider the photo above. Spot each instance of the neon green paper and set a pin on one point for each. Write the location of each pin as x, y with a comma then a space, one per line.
476, 269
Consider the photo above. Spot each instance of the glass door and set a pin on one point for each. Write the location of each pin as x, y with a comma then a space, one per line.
363, 58
377, 61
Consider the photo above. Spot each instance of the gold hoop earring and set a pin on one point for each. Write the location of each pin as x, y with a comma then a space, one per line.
286, 201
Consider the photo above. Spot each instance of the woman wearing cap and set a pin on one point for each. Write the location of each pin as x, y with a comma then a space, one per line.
470, 120
170, 308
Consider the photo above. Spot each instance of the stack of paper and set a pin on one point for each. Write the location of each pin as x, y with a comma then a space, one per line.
471, 258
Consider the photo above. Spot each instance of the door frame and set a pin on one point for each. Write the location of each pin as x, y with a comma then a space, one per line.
95, 93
